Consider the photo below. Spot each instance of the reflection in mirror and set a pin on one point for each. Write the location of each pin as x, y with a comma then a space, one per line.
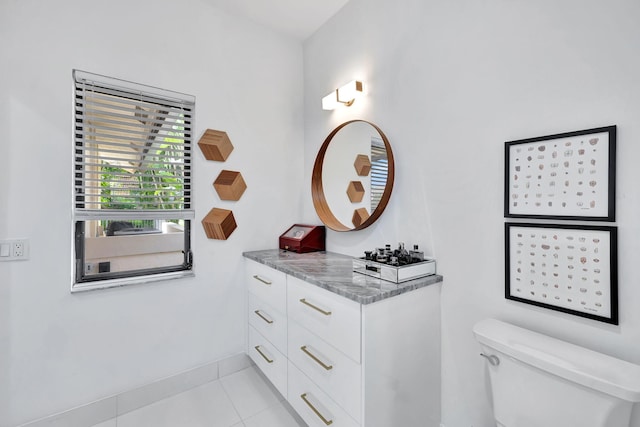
379, 171
353, 176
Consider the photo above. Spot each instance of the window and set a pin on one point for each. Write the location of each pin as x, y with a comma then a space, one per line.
132, 182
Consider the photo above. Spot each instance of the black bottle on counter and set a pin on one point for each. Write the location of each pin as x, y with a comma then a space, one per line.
416, 255
403, 255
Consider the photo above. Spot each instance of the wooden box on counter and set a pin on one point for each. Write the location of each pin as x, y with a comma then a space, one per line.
302, 238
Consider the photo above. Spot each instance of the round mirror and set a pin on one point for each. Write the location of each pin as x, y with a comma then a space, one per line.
353, 176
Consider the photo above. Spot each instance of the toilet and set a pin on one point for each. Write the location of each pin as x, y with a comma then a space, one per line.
539, 381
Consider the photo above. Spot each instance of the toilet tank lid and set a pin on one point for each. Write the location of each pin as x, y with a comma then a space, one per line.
583, 366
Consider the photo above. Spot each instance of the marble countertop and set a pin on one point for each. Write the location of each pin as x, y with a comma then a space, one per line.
334, 272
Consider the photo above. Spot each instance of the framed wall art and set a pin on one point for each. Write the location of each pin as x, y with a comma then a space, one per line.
567, 268
564, 176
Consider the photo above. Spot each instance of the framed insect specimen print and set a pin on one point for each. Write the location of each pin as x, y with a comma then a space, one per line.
568, 268
564, 176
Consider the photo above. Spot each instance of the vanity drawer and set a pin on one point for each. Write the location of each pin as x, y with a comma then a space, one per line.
268, 284
270, 361
333, 318
271, 323
315, 407
330, 369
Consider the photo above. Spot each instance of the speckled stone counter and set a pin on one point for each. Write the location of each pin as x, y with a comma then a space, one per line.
334, 273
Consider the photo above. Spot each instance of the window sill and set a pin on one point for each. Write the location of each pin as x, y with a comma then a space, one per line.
114, 283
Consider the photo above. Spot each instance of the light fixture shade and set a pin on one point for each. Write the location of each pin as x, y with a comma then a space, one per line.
349, 92
330, 102
345, 95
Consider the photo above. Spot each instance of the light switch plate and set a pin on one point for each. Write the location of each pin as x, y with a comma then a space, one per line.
14, 250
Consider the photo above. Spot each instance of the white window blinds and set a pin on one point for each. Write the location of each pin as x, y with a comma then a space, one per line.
133, 146
379, 171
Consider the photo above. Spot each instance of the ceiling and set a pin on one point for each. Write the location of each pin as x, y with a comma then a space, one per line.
296, 18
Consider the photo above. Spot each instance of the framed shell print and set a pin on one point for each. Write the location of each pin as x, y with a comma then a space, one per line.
568, 268
564, 176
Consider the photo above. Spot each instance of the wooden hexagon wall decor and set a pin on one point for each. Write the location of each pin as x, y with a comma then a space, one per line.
359, 216
230, 185
219, 224
355, 191
362, 165
215, 145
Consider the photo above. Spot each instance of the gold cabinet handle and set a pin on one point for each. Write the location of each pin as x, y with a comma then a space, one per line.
263, 355
326, 422
260, 315
315, 358
260, 279
304, 301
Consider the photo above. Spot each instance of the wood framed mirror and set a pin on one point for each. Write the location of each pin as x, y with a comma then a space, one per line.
352, 176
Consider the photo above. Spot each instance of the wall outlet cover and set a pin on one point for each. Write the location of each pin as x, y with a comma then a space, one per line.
14, 250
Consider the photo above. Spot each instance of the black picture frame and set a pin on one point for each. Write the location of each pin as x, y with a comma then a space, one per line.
566, 176
563, 267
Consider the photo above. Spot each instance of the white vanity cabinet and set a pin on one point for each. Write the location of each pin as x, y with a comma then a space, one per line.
348, 363
325, 346
267, 303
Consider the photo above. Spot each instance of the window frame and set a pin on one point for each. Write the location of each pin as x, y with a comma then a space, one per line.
81, 214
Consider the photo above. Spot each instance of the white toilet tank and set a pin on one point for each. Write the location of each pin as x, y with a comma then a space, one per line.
539, 381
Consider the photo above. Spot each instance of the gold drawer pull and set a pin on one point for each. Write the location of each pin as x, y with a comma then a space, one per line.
315, 358
305, 302
263, 355
265, 281
260, 315
303, 396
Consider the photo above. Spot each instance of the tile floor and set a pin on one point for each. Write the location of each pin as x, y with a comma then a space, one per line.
243, 399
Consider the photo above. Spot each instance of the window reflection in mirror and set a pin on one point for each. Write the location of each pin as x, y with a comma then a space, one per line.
379, 171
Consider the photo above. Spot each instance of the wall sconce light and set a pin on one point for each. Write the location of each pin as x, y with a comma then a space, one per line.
344, 95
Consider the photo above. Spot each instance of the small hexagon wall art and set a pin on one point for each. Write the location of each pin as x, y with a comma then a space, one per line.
355, 191
362, 165
230, 185
219, 224
215, 145
359, 216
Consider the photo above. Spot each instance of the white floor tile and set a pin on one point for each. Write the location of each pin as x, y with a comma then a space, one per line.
204, 406
249, 392
276, 416
243, 399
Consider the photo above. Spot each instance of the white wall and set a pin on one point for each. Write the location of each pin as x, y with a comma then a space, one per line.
449, 82
4, 194
59, 350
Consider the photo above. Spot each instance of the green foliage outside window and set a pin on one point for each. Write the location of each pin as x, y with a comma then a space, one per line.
157, 186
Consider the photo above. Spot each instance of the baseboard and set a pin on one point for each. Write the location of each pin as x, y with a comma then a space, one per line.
110, 407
